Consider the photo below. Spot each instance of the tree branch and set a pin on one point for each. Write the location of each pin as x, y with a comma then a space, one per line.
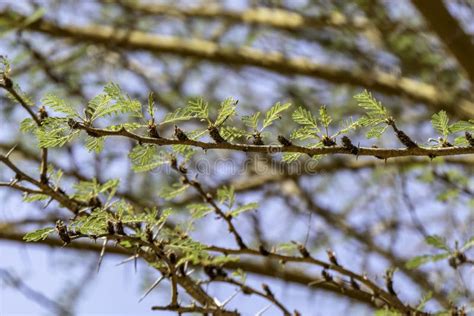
247, 56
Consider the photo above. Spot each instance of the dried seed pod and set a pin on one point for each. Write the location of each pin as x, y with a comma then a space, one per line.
172, 257
216, 136
73, 124
153, 130
174, 163
267, 290
332, 257
62, 231
211, 271
220, 272
389, 282
149, 234
179, 134
354, 284
110, 228
327, 277
94, 202
257, 139
347, 144
328, 141
119, 228
403, 138
303, 251
7, 82
42, 114
284, 141
263, 251
469, 139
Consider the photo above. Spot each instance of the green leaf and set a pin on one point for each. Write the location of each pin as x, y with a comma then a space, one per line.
28, 125
291, 157
173, 191
226, 194
95, 143
415, 262
112, 101
151, 105
145, 158
199, 210
35, 197
274, 113
243, 208
304, 133
59, 105
226, 111
440, 122
181, 114
304, 117
230, 133
374, 109
251, 121
324, 117
437, 242
468, 244
462, 126
376, 131
40, 234
198, 108
54, 132
86, 190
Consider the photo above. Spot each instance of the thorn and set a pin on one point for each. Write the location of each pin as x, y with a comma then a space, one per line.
127, 260
10, 151
259, 313
101, 256
229, 299
155, 284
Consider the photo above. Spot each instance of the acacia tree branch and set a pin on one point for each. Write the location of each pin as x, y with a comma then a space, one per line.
450, 32
263, 16
381, 153
247, 56
10, 88
267, 269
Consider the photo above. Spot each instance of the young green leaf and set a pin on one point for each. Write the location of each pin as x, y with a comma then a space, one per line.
59, 105
304, 117
274, 113
440, 122
374, 109
230, 133
251, 121
54, 132
95, 143
324, 117
173, 191
37, 235
226, 194
226, 111
151, 106
437, 242
243, 208
199, 210
198, 108
181, 114
415, 262
145, 158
